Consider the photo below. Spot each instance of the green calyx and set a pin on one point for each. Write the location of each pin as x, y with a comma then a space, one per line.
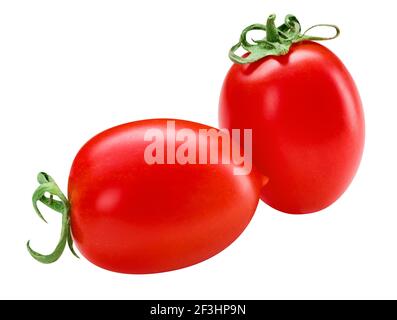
277, 42
48, 186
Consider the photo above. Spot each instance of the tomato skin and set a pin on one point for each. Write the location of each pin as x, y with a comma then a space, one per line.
308, 125
131, 217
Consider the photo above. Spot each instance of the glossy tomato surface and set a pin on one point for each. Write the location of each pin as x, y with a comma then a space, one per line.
131, 217
307, 121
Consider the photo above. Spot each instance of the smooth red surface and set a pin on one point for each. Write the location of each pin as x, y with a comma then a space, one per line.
307, 121
131, 217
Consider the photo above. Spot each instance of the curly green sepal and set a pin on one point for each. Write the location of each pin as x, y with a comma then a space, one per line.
277, 42
48, 185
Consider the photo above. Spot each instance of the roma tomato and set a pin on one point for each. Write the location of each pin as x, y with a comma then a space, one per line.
305, 112
131, 215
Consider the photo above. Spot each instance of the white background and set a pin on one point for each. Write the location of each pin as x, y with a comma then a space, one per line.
70, 69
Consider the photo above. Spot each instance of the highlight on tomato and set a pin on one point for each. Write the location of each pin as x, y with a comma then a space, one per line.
153, 196
305, 112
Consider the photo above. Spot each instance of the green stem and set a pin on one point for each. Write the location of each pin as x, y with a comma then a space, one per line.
277, 42
48, 185
271, 29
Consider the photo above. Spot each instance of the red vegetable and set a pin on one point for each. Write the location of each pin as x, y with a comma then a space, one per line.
132, 217
305, 112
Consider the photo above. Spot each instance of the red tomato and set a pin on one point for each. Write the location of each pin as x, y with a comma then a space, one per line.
132, 217
307, 121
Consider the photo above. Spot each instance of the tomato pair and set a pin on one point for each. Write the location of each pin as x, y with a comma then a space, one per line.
143, 201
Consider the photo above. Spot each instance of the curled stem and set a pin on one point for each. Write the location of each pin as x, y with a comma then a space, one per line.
48, 185
278, 40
